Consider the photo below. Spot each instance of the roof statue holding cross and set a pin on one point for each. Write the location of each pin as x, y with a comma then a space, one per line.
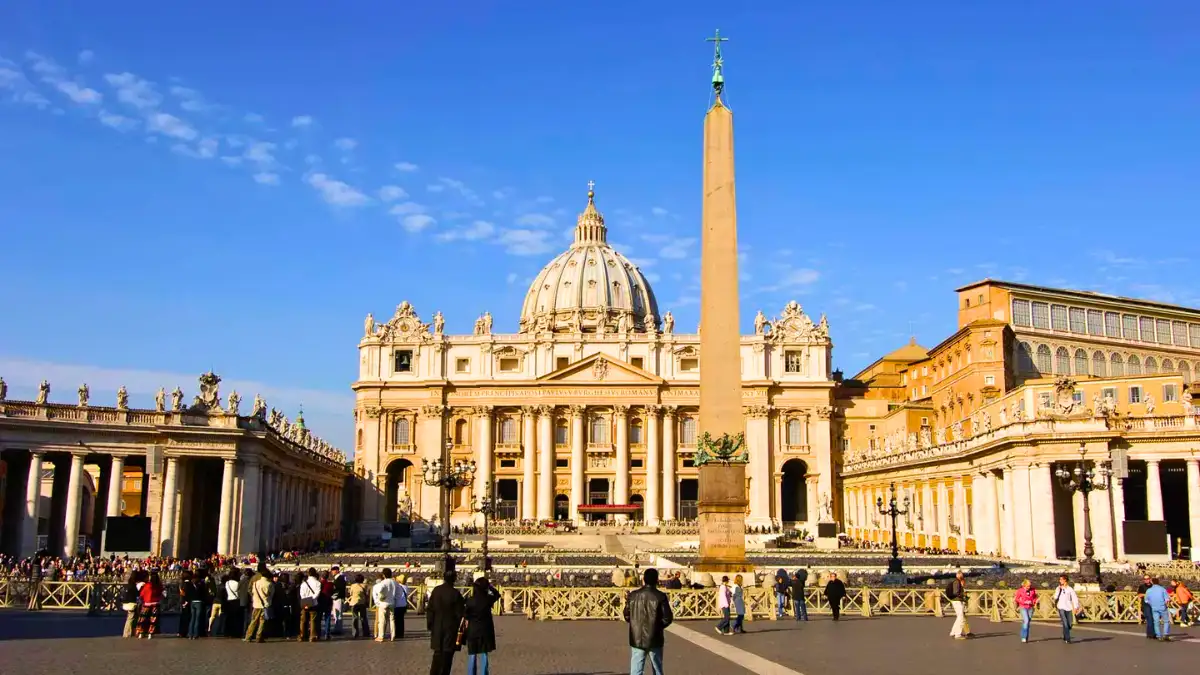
718, 78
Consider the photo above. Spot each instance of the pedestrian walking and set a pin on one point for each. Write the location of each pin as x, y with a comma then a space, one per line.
1183, 598
443, 619
1026, 599
1066, 601
739, 604
782, 587
1158, 600
957, 592
481, 630
648, 613
1147, 615
799, 603
835, 591
401, 606
725, 604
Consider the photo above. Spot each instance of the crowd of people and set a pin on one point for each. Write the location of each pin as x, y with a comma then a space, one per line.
89, 567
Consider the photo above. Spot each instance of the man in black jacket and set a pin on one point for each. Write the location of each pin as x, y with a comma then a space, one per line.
835, 590
648, 613
1147, 615
799, 606
442, 617
339, 598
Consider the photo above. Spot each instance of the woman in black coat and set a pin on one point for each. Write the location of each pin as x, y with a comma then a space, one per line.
481, 631
442, 617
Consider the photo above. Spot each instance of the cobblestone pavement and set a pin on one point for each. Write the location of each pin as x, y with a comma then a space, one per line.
62, 644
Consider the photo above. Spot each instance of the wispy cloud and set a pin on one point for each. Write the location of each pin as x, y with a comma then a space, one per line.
417, 222
406, 167
390, 193
525, 242
134, 91
170, 125
476, 231
659, 211
266, 178
302, 121
793, 280
345, 144
336, 192
534, 220
85, 57
678, 249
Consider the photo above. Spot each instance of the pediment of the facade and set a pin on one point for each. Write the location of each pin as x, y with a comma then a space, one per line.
600, 368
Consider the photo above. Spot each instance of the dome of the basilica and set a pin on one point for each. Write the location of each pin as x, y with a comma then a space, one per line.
590, 287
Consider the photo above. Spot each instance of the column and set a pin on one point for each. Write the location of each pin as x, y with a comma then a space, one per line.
1008, 520
943, 521
1193, 497
1041, 493
226, 522
1023, 532
251, 506
166, 527
1102, 532
546, 483
993, 518
529, 464
116, 481
485, 477
74, 501
264, 527
1118, 514
960, 513
578, 488
33, 499
653, 465
668, 486
928, 527
810, 500
1154, 500
621, 466
758, 442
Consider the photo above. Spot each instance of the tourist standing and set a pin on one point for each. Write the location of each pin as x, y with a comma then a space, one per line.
1183, 598
384, 595
1066, 601
782, 586
1147, 615
262, 591
310, 591
481, 630
151, 595
957, 592
799, 604
339, 599
129, 602
739, 604
186, 592
197, 600
835, 591
648, 613
1157, 600
1026, 599
231, 606
443, 617
357, 597
216, 593
724, 603
325, 606
401, 606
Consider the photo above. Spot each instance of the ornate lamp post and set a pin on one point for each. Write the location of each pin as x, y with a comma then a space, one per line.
895, 565
1085, 478
447, 476
487, 506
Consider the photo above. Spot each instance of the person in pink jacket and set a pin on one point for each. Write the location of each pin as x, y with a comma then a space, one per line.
724, 603
1026, 598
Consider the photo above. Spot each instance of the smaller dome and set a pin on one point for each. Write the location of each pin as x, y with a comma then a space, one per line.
590, 287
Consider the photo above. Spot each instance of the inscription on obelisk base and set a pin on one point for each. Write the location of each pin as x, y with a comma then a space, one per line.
722, 512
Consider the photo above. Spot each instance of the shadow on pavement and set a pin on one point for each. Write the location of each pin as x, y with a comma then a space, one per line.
23, 625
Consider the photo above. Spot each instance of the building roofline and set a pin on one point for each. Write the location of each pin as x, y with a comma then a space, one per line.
1086, 295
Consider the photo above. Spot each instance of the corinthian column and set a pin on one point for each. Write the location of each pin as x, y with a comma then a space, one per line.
33, 498
225, 524
484, 450
529, 464
621, 489
578, 495
545, 501
758, 443
653, 465
74, 499
668, 487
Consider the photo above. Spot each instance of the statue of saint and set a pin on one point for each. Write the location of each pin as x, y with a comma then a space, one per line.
650, 323
3, 389
487, 323
160, 400
260, 407
84, 393
760, 323
1149, 404
668, 323
43, 395
234, 401
122, 398
369, 325
177, 399
439, 323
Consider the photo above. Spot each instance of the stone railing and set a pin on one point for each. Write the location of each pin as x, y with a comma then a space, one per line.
556, 604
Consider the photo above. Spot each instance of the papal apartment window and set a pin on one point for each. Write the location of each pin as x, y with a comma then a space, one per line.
1135, 394
793, 360
1078, 320
1164, 332
1021, 316
1095, 322
462, 365
403, 361
1170, 393
1112, 324
989, 380
1129, 327
1041, 315
1058, 317
1147, 329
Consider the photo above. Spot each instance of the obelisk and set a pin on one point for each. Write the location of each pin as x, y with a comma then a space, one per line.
720, 454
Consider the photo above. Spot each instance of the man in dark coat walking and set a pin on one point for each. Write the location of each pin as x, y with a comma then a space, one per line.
648, 613
835, 590
442, 617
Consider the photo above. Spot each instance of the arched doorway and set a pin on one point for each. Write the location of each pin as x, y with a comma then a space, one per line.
793, 503
562, 507
396, 492
640, 502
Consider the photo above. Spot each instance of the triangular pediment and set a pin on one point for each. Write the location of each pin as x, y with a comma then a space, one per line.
600, 368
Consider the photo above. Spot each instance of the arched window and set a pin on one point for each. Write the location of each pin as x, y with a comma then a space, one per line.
687, 434
1151, 366
1062, 361
460, 432
1043, 360
636, 437
1118, 366
358, 443
599, 431
795, 432
508, 430
1168, 366
1025, 359
1186, 372
1135, 365
1081, 362
400, 434
1099, 364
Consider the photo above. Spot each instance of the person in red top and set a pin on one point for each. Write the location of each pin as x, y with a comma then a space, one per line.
151, 594
1026, 599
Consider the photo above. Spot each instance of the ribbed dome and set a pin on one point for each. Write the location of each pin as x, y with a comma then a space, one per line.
590, 288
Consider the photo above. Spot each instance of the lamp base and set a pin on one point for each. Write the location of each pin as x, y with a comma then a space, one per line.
1089, 570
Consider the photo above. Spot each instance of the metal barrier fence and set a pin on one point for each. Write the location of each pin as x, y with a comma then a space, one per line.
556, 604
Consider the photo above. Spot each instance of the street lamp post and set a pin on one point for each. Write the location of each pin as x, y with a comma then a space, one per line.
1085, 478
895, 571
487, 506
447, 476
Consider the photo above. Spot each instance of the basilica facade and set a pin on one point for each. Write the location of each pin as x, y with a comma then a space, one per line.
589, 410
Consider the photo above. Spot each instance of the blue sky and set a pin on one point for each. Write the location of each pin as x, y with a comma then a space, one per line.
234, 186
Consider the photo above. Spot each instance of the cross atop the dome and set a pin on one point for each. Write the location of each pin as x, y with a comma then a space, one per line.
591, 189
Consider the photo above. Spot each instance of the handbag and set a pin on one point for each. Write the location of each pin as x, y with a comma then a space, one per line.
128, 606
462, 633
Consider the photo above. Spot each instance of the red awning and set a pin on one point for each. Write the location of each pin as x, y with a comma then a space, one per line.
610, 508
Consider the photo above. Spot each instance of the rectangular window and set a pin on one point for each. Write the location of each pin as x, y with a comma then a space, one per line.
1044, 400
1164, 332
508, 464
462, 365
562, 463
509, 365
1041, 315
1078, 322
1112, 324
1180, 331
1109, 392
1147, 326
560, 434
562, 362
924, 390
989, 380
689, 365
635, 463
1170, 393
687, 464
1020, 313
1077, 396
1135, 394
1058, 317
1129, 327
638, 362
1194, 331
793, 360
1095, 322
403, 361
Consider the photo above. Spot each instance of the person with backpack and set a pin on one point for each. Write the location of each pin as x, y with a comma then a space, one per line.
1066, 601
310, 591
956, 591
262, 590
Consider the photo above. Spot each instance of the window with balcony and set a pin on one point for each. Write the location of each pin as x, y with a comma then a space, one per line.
1058, 317
1147, 329
1041, 315
636, 436
1095, 322
793, 361
1112, 324
1020, 311
400, 432
508, 430
560, 433
402, 360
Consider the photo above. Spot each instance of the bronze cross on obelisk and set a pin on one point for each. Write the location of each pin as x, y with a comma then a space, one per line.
718, 78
